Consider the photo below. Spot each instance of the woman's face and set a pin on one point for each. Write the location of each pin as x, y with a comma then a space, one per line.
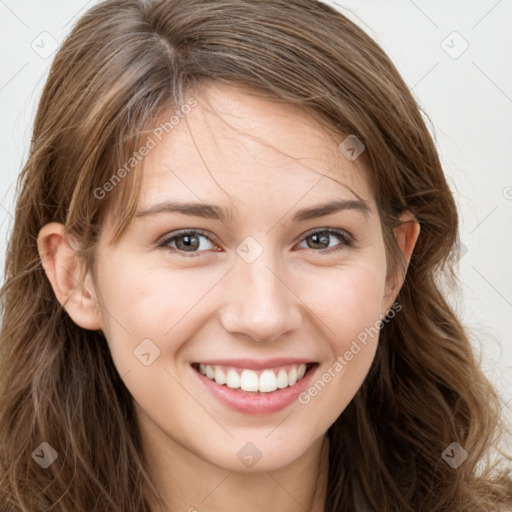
265, 275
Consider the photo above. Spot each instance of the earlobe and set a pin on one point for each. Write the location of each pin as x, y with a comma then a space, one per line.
63, 268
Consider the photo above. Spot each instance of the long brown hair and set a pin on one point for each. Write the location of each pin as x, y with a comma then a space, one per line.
123, 65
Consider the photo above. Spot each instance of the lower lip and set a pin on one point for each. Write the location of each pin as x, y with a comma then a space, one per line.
250, 403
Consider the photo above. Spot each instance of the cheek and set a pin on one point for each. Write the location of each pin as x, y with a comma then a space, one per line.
150, 310
359, 304
347, 300
359, 310
350, 308
133, 305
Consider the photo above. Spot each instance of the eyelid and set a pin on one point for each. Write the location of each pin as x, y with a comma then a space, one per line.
163, 241
345, 236
342, 233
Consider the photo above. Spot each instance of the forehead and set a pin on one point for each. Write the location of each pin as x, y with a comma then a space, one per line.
237, 150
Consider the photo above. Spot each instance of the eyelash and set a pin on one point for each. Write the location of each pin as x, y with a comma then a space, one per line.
345, 237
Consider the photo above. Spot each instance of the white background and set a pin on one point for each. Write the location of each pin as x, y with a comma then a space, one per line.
467, 98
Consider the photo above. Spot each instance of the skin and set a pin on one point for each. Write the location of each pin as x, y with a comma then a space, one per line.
265, 161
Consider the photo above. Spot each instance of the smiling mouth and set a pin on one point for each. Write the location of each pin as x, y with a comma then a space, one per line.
255, 381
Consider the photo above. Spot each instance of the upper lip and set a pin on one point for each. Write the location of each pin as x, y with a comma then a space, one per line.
255, 364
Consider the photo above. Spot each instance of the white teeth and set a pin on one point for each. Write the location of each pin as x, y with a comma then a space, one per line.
248, 380
232, 379
292, 376
282, 379
268, 381
220, 376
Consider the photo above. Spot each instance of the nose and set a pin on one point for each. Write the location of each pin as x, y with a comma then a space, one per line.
260, 301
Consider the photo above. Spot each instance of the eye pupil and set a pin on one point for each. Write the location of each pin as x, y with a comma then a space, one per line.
188, 242
320, 238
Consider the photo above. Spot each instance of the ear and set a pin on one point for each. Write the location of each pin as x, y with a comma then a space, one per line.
406, 235
64, 270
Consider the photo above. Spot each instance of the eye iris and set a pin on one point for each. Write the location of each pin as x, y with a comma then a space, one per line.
322, 237
191, 242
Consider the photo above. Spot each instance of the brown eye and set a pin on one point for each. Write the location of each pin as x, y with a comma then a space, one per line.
320, 239
186, 241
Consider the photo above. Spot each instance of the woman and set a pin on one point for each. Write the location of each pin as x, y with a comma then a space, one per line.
174, 338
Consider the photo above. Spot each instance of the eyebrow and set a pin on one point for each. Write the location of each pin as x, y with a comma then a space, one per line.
210, 211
